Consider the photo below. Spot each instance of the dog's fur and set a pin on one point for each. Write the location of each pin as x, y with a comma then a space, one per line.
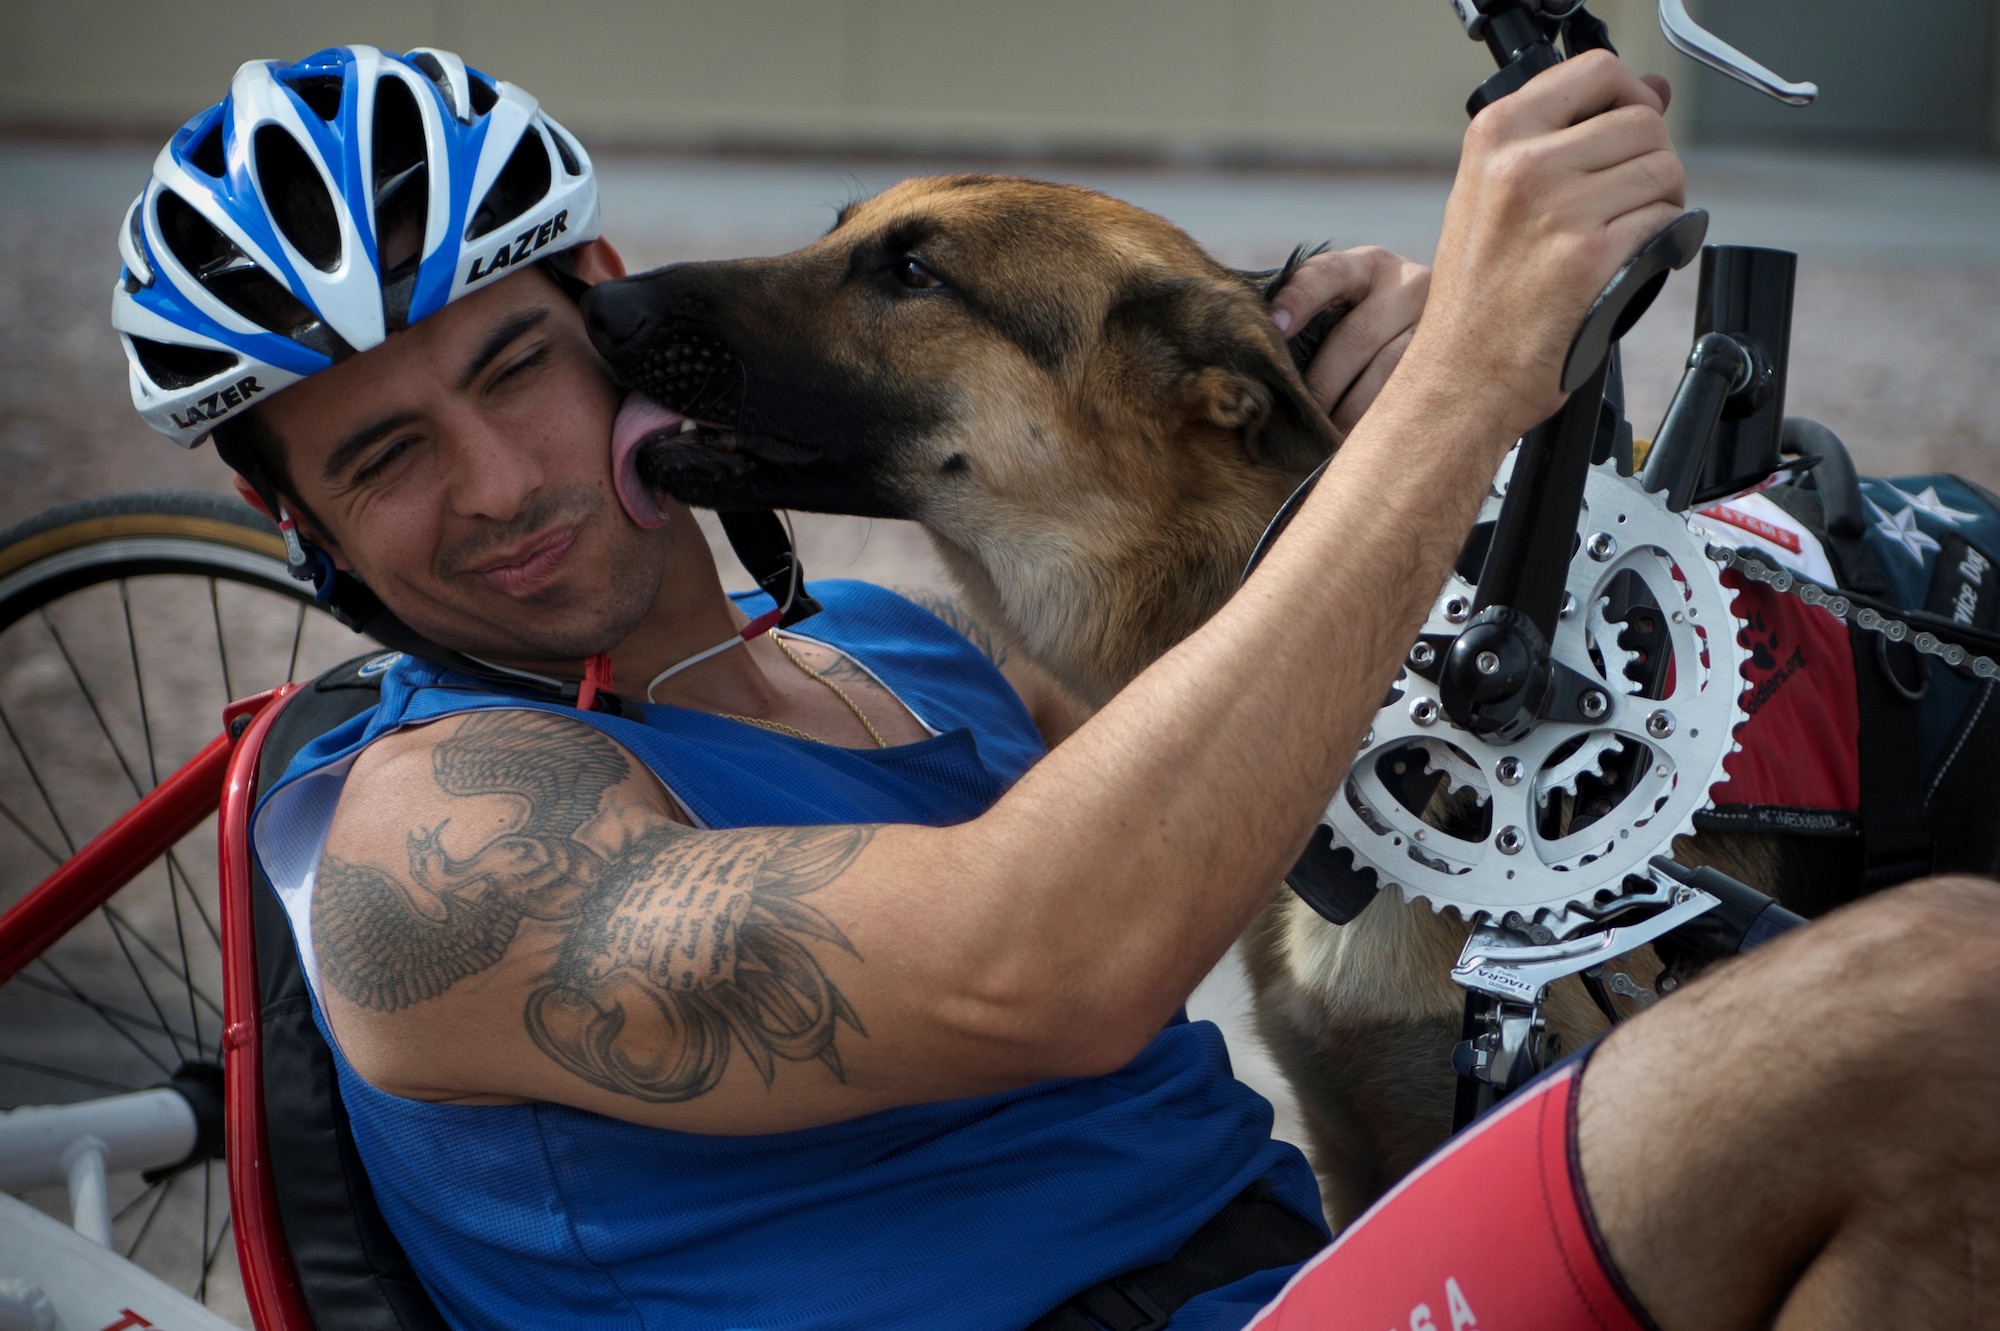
1095, 421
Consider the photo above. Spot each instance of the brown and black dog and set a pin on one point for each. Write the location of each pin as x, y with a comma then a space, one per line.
1095, 421
1092, 418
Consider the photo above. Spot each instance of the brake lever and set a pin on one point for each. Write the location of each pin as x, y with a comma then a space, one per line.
1705, 48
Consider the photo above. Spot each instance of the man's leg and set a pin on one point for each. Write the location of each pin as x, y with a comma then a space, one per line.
1810, 1137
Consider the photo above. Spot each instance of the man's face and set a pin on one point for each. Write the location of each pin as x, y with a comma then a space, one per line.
462, 470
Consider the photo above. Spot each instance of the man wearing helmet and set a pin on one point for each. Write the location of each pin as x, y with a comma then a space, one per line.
815, 995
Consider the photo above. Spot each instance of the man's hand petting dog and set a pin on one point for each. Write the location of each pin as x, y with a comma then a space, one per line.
1382, 295
1558, 186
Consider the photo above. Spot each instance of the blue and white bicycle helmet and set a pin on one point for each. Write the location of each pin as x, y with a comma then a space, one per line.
319, 207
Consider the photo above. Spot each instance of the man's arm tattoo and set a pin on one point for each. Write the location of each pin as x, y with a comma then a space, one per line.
676, 948
704, 934
386, 941
953, 612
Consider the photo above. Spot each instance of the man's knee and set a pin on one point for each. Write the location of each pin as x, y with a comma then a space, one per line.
1943, 930
1910, 973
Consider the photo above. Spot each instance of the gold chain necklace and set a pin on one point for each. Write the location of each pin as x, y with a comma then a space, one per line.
838, 692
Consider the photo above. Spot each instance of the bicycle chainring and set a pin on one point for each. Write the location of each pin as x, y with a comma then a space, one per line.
1558, 818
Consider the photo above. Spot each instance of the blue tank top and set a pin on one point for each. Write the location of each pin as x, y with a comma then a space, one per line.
971, 1214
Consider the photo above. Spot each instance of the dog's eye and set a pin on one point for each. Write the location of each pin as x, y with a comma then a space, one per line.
911, 273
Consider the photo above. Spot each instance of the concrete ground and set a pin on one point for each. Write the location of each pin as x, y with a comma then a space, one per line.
1897, 343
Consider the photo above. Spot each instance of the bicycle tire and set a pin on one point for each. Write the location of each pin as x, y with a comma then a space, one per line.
91, 593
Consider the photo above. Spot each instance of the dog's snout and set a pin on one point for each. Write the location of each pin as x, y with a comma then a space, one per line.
616, 315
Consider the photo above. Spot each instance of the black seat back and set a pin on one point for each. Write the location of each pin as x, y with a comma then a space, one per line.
352, 1272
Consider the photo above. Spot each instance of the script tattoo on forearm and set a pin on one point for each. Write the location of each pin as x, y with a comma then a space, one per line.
675, 949
954, 613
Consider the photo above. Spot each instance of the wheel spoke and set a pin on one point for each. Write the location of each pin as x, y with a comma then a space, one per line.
56, 991
91, 699
41, 845
208, 1263
207, 1253
166, 1186
109, 1017
187, 968
164, 960
221, 646
133, 1205
174, 866
64, 1074
139, 682
35, 776
118, 933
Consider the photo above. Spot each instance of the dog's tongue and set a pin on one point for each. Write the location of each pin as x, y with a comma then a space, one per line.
638, 419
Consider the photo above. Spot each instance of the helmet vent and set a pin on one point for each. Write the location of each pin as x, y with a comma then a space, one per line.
234, 278
566, 151
133, 286
484, 98
433, 70
136, 226
521, 184
297, 198
206, 155
402, 194
173, 367
320, 93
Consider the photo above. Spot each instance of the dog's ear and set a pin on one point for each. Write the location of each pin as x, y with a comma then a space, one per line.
1220, 361
1263, 402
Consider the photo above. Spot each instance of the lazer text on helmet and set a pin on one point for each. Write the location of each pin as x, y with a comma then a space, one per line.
518, 249
217, 405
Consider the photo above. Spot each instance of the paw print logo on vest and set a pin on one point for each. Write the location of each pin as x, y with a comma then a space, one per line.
1762, 642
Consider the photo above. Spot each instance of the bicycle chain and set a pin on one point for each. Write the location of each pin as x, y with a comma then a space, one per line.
1866, 618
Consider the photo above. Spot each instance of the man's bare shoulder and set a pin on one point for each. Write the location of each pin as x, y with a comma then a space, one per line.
524, 753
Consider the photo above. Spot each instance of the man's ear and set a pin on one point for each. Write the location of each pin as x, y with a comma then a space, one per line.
599, 262
306, 528
248, 493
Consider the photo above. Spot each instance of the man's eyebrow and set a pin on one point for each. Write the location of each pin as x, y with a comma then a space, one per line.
497, 342
352, 447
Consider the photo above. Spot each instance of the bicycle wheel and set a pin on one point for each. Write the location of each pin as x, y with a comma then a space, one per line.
125, 625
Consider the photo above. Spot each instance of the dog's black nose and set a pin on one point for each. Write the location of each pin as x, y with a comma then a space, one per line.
616, 314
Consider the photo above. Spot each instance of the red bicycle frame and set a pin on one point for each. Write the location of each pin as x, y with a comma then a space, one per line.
269, 1282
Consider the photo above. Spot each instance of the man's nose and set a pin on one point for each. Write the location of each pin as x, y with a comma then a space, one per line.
496, 476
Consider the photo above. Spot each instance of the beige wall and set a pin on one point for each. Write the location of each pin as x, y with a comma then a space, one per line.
1314, 78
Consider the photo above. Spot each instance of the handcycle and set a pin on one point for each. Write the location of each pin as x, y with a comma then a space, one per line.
195, 1019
